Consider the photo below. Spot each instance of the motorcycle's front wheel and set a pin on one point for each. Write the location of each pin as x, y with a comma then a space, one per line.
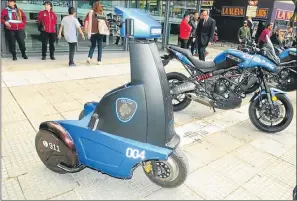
271, 119
180, 101
170, 173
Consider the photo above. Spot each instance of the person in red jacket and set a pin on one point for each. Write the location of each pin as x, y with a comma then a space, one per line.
185, 31
47, 20
14, 20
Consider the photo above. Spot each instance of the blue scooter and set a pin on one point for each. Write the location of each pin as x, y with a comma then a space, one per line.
132, 125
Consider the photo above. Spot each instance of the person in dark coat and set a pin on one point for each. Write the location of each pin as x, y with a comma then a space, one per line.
205, 33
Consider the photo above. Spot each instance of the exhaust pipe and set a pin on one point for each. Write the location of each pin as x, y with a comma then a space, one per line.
202, 100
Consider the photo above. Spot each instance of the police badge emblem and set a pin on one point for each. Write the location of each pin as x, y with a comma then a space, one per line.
125, 109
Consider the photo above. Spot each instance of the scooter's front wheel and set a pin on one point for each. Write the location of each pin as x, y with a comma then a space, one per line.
168, 174
271, 120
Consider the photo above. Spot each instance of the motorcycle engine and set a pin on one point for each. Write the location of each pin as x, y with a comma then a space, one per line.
221, 87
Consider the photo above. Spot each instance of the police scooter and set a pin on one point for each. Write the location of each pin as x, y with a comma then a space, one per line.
132, 125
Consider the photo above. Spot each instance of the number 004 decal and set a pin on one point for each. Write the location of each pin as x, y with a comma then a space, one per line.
135, 153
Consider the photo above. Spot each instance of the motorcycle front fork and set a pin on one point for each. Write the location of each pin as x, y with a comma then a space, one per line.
264, 86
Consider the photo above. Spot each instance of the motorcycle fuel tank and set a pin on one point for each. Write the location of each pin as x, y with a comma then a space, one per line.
288, 55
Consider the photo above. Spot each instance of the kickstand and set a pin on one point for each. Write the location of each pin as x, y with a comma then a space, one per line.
212, 107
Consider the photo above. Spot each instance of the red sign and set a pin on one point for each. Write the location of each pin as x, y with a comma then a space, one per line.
253, 2
284, 15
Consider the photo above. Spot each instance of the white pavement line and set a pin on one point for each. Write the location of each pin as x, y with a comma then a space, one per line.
195, 131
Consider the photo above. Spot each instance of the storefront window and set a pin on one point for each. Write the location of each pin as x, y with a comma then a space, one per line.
83, 7
177, 11
31, 9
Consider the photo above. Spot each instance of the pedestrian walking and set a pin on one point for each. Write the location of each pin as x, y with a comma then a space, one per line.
265, 32
69, 26
205, 33
95, 33
47, 21
185, 31
14, 20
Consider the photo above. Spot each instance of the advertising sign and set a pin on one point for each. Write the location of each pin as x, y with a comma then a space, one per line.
233, 11
262, 13
284, 15
251, 11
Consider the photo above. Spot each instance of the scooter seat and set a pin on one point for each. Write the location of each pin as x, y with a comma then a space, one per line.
204, 66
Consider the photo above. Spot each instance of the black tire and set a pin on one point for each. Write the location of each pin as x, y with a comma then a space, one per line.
181, 161
81, 115
53, 168
252, 88
276, 128
186, 101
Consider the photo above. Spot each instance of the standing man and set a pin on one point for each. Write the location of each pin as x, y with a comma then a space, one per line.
48, 20
14, 20
194, 24
205, 33
244, 33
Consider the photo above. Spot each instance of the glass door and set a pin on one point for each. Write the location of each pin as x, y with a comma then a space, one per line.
31, 8
83, 7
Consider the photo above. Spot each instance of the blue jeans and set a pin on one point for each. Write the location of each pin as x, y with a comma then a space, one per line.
96, 38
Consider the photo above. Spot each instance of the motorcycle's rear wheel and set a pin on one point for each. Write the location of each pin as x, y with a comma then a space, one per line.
174, 79
168, 174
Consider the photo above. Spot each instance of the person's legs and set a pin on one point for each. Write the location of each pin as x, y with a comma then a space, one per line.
189, 42
10, 38
93, 46
44, 40
201, 50
117, 40
52, 40
20, 37
100, 46
71, 53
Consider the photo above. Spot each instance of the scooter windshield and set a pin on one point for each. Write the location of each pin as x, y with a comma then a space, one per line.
270, 52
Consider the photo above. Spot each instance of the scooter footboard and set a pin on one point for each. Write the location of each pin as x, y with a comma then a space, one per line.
111, 154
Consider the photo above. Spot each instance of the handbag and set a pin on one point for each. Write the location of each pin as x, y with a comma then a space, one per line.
103, 28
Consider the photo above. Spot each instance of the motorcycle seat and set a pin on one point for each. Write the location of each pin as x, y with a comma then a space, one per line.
204, 66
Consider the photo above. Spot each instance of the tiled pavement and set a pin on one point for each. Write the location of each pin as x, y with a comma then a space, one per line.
229, 158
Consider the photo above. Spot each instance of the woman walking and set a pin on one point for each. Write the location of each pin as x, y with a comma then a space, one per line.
91, 27
14, 20
48, 20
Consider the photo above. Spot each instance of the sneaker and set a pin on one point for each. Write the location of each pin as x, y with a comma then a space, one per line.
99, 63
89, 60
53, 58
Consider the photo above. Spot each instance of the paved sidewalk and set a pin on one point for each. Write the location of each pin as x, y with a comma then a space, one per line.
228, 157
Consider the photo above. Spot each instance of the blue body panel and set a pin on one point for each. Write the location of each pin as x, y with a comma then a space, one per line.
143, 22
248, 61
287, 52
106, 152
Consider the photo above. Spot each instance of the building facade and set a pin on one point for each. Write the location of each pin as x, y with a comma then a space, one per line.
156, 8
230, 12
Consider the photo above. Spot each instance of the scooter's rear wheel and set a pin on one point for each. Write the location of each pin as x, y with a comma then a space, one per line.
168, 174
52, 152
